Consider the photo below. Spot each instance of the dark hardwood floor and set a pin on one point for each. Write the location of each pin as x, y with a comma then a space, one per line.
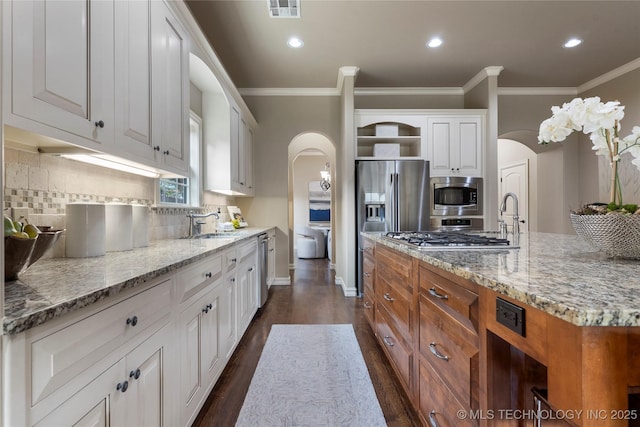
311, 298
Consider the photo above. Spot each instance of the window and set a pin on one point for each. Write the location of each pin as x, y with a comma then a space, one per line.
185, 191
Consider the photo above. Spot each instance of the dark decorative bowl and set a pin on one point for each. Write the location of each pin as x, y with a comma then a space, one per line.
20, 254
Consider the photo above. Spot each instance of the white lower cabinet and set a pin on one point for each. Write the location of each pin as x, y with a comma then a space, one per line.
129, 393
200, 353
247, 277
149, 359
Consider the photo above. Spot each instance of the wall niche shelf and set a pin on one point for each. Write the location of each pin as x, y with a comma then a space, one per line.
389, 140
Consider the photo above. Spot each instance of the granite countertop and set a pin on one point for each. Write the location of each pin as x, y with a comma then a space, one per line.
53, 287
556, 273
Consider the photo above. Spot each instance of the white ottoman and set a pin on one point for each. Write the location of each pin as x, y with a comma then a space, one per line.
306, 247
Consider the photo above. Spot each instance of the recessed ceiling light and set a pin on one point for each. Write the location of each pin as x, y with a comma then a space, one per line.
295, 42
434, 42
572, 42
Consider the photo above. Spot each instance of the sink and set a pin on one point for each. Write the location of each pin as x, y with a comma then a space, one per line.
219, 235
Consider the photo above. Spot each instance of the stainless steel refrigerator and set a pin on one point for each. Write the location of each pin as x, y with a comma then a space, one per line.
391, 195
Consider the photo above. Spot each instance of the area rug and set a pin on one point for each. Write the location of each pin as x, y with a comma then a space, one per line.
311, 375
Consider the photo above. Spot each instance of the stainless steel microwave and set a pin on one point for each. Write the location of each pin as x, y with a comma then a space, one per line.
456, 196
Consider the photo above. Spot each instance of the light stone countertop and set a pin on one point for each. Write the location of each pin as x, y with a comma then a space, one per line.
556, 273
52, 287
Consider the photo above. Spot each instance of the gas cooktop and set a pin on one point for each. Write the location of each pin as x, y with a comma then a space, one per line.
448, 240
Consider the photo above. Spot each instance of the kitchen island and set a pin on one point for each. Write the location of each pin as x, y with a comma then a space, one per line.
491, 325
138, 336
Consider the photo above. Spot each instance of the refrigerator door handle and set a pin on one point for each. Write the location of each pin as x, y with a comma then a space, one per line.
393, 208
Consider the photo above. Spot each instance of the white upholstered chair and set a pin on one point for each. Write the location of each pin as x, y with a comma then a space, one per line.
310, 243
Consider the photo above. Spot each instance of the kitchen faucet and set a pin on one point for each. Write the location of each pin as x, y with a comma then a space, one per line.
197, 220
516, 218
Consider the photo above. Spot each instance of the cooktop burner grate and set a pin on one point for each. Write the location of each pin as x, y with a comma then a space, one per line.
441, 239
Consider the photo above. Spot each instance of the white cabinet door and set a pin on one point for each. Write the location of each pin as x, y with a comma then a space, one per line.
271, 259
145, 403
248, 160
455, 146
201, 361
62, 66
247, 294
133, 79
170, 90
236, 153
93, 405
228, 337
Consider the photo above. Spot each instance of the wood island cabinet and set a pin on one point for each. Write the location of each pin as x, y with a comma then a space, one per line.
368, 276
395, 311
461, 348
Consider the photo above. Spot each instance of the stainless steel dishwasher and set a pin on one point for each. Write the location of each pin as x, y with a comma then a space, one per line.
263, 244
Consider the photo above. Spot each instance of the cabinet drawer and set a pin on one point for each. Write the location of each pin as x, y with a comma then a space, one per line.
230, 259
452, 298
246, 250
198, 276
399, 353
369, 308
61, 356
437, 405
368, 247
368, 272
451, 351
397, 303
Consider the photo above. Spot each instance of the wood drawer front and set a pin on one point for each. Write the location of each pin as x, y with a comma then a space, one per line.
437, 406
394, 267
397, 303
399, 353
61, 356
368, 271
451, 350
368, 247
534, 343
198, 276
369, 308
451, 297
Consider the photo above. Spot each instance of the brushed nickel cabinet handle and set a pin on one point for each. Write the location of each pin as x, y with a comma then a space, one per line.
435, 293
432, 419
436, 353
367, 304
387, 341
388, 297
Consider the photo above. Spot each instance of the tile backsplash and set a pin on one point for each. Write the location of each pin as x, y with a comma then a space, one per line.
39, 186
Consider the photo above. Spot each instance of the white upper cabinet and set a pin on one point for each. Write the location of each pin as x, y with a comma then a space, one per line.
170, 90
110, 76
61, 63
455, 145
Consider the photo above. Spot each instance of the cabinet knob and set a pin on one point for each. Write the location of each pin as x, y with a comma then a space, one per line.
250, 270
206, 308
233, 259
156, 148
133, 321
123, 386
99, 124
209, 275
233, 279
135, 374
242, 183
166, 153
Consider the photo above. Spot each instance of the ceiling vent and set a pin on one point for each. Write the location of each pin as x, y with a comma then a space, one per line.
284, 8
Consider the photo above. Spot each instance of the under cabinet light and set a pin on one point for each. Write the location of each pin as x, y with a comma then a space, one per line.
105, 161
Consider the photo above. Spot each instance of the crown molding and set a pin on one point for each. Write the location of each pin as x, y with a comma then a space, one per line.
506, 91
486, 72
346, 71
309, 91
613, 74
370, 91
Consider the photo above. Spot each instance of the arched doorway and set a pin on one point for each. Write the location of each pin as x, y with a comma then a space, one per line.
552, 187
302, 145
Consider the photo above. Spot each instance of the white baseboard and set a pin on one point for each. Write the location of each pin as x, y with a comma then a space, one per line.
281, 281
347, 291
292, 266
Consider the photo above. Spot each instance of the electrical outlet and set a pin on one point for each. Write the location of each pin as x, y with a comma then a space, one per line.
511, 316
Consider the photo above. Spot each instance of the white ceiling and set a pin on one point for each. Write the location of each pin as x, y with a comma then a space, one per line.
386, 40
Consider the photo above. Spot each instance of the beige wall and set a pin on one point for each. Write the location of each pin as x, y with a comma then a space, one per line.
408, 102
280, 120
